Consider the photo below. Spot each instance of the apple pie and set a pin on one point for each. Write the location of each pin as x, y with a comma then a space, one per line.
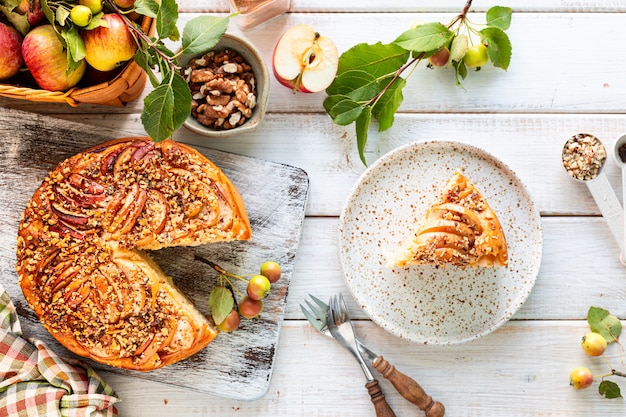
80, 251
459, 229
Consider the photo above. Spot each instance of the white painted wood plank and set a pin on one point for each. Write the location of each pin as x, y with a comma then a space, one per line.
521, 370
548, 73
530, 144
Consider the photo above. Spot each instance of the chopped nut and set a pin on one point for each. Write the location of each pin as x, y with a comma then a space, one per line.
223, 89
583, 156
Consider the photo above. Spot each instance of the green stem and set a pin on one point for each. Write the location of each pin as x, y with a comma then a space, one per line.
418, 58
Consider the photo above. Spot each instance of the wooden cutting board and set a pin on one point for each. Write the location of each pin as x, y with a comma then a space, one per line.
236, 365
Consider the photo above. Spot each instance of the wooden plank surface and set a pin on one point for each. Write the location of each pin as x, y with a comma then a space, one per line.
566, 77
237, 364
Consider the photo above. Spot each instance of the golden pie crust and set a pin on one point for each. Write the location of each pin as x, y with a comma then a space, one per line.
80, 258
459, 229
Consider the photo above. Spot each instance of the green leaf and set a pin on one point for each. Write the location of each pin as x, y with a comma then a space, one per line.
61, 15
331, 101
498, 46
376, 59
345, 111
356, 84
603, 322
148, 8
500, 17
609, 389
221, 303
47, 11
142, 58
362, 128
19, 21
427, 38
460, 70
96, 21
157, 116
166, 18
75, 46
387, 105
203, 33
175, 35
182, 100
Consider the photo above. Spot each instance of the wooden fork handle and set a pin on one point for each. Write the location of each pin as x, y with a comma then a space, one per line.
378, 399
409, 388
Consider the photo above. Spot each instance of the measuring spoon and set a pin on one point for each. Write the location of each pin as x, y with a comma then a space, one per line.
589, 154
620, 159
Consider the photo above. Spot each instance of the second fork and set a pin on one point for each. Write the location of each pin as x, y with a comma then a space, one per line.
344, 334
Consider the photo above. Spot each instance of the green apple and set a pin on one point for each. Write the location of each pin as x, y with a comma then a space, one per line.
476, 56
81, 15
94, 5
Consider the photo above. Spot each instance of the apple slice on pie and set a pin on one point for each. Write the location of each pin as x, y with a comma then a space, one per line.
459, 229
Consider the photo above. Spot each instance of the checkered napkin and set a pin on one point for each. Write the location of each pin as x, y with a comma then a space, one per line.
34, 381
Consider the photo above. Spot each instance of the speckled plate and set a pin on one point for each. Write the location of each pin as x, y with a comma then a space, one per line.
424, 304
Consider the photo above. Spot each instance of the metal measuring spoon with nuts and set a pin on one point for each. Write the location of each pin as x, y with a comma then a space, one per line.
584, 158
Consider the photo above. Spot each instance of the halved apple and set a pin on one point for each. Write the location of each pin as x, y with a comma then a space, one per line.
305, 61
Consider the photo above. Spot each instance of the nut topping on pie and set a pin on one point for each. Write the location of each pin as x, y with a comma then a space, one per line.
79, 258
458, 229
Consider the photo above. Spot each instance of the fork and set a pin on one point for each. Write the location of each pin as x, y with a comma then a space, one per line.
405, 385
344, 334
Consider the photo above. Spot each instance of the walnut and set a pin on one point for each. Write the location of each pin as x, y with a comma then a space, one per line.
223, 89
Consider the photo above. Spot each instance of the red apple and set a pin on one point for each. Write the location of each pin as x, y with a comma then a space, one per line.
32, 9
47, 60
108, 47
11, 57
305, 61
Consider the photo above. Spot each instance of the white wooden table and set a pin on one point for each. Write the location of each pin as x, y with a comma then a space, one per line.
567, 76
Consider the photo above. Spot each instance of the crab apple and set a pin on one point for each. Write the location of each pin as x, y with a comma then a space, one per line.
271, 270
305, 61
32, 10
476, 56
258, 287
108, 47
11, 57
94, 5
440, 58
580, 377
230, 323
46, 58
81, 15
249, 308
124, 4
594, 344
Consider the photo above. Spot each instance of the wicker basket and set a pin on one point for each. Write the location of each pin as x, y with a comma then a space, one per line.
125, 87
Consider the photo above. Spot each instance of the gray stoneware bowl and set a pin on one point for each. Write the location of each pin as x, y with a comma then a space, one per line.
254, 58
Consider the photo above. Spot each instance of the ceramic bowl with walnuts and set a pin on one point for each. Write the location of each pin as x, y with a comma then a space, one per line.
229, 88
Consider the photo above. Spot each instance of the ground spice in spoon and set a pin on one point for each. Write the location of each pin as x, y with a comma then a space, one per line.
622, 153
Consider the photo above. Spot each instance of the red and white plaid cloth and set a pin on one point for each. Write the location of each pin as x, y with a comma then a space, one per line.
34, 381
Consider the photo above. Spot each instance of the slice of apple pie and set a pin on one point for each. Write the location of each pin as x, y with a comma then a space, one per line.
459, 229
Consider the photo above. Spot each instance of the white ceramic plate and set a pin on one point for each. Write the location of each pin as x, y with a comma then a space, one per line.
424, 304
